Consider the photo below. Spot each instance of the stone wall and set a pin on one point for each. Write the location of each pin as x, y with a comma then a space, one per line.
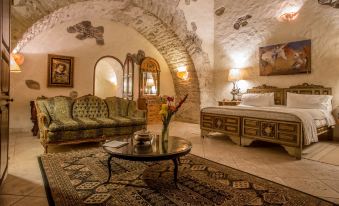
161, 22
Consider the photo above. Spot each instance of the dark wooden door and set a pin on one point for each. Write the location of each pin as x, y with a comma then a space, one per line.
4, 85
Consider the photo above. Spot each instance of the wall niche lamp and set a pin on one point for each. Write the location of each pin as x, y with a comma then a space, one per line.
289, 16
182, 73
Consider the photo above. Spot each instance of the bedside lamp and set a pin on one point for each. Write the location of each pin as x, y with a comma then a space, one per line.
234, 76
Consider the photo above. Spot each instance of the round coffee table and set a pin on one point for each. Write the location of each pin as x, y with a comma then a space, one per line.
155, 150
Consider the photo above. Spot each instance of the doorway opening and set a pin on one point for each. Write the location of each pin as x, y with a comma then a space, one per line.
108, 77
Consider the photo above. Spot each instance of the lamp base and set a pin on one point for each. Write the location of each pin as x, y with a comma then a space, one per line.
235, 91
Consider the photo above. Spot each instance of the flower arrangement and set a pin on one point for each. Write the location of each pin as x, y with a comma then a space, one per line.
168, 109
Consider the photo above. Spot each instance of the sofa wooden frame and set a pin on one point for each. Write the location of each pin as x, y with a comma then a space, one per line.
244, 130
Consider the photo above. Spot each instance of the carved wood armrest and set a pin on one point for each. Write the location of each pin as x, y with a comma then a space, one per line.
43, 121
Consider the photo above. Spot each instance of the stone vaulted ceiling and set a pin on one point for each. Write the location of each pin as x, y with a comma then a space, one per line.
160, 22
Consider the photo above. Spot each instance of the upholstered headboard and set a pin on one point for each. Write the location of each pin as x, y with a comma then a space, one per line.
280, 94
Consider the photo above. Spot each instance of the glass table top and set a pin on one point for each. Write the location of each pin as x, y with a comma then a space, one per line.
154, 148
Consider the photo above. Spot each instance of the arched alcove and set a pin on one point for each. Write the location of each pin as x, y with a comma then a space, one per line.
107, 78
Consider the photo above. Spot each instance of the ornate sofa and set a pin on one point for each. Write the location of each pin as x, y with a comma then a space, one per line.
62, 120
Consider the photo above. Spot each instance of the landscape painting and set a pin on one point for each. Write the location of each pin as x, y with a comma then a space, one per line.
285, 59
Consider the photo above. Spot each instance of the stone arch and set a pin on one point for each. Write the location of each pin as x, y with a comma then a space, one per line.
162, 24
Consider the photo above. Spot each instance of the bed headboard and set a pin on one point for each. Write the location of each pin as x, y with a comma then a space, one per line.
280, 94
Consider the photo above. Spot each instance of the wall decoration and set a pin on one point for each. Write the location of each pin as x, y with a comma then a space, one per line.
283, 59
139, 57
86, 30
332, 3
60, 71
241, 22
32, 84
194, 26
73, 94
220, 11
188, 2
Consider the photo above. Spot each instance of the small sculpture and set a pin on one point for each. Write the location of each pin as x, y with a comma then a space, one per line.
32, 84
241, 22
332, 3
220, 11
86, 30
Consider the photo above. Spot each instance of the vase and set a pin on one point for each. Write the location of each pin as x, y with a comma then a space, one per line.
164, 133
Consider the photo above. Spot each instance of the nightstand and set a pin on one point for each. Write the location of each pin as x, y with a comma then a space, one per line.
228, 103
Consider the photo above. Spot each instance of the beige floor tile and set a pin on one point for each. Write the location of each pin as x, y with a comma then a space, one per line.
7, 200
39, 192
18, 186
334, 184
311, 186
36, 201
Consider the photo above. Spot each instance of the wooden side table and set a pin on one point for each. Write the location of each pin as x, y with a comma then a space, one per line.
228, 103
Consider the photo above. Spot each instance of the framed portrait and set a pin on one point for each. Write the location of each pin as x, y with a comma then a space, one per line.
285, 59
60, 71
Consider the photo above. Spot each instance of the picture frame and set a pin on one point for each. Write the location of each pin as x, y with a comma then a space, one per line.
60, 71
285, 59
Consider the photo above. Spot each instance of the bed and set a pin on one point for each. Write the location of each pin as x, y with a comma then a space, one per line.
292, 128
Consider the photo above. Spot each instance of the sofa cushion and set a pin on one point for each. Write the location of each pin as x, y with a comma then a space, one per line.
59, 108
106, 122
62, 136
64, 125
123, 121
117, 106
90, 106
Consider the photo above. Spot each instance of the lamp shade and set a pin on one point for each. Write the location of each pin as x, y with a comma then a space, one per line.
19, 58
238, 74
14, 67
234, 75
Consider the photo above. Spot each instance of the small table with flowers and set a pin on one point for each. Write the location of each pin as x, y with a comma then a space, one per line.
154, 150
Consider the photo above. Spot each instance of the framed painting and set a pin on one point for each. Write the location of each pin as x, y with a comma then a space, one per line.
60, 71
285, 59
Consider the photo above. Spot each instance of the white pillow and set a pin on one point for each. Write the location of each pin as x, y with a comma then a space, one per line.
258, 100
308, 101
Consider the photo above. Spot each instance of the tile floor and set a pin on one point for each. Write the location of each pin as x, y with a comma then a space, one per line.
24, 185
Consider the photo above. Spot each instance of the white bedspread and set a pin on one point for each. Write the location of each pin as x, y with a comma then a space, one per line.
306, 116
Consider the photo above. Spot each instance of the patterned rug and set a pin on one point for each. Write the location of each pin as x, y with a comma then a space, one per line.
77, 178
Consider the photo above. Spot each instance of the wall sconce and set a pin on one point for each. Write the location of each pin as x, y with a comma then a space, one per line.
14, 67
182, 73
289, 10
289, 16
19, 58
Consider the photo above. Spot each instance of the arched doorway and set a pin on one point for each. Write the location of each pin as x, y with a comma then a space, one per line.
108, 77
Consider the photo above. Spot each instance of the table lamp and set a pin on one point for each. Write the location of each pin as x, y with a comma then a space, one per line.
234, 76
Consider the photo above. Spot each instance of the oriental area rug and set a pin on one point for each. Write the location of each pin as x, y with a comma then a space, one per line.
78, 178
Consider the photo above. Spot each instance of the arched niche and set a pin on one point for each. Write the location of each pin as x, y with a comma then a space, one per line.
108, 77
